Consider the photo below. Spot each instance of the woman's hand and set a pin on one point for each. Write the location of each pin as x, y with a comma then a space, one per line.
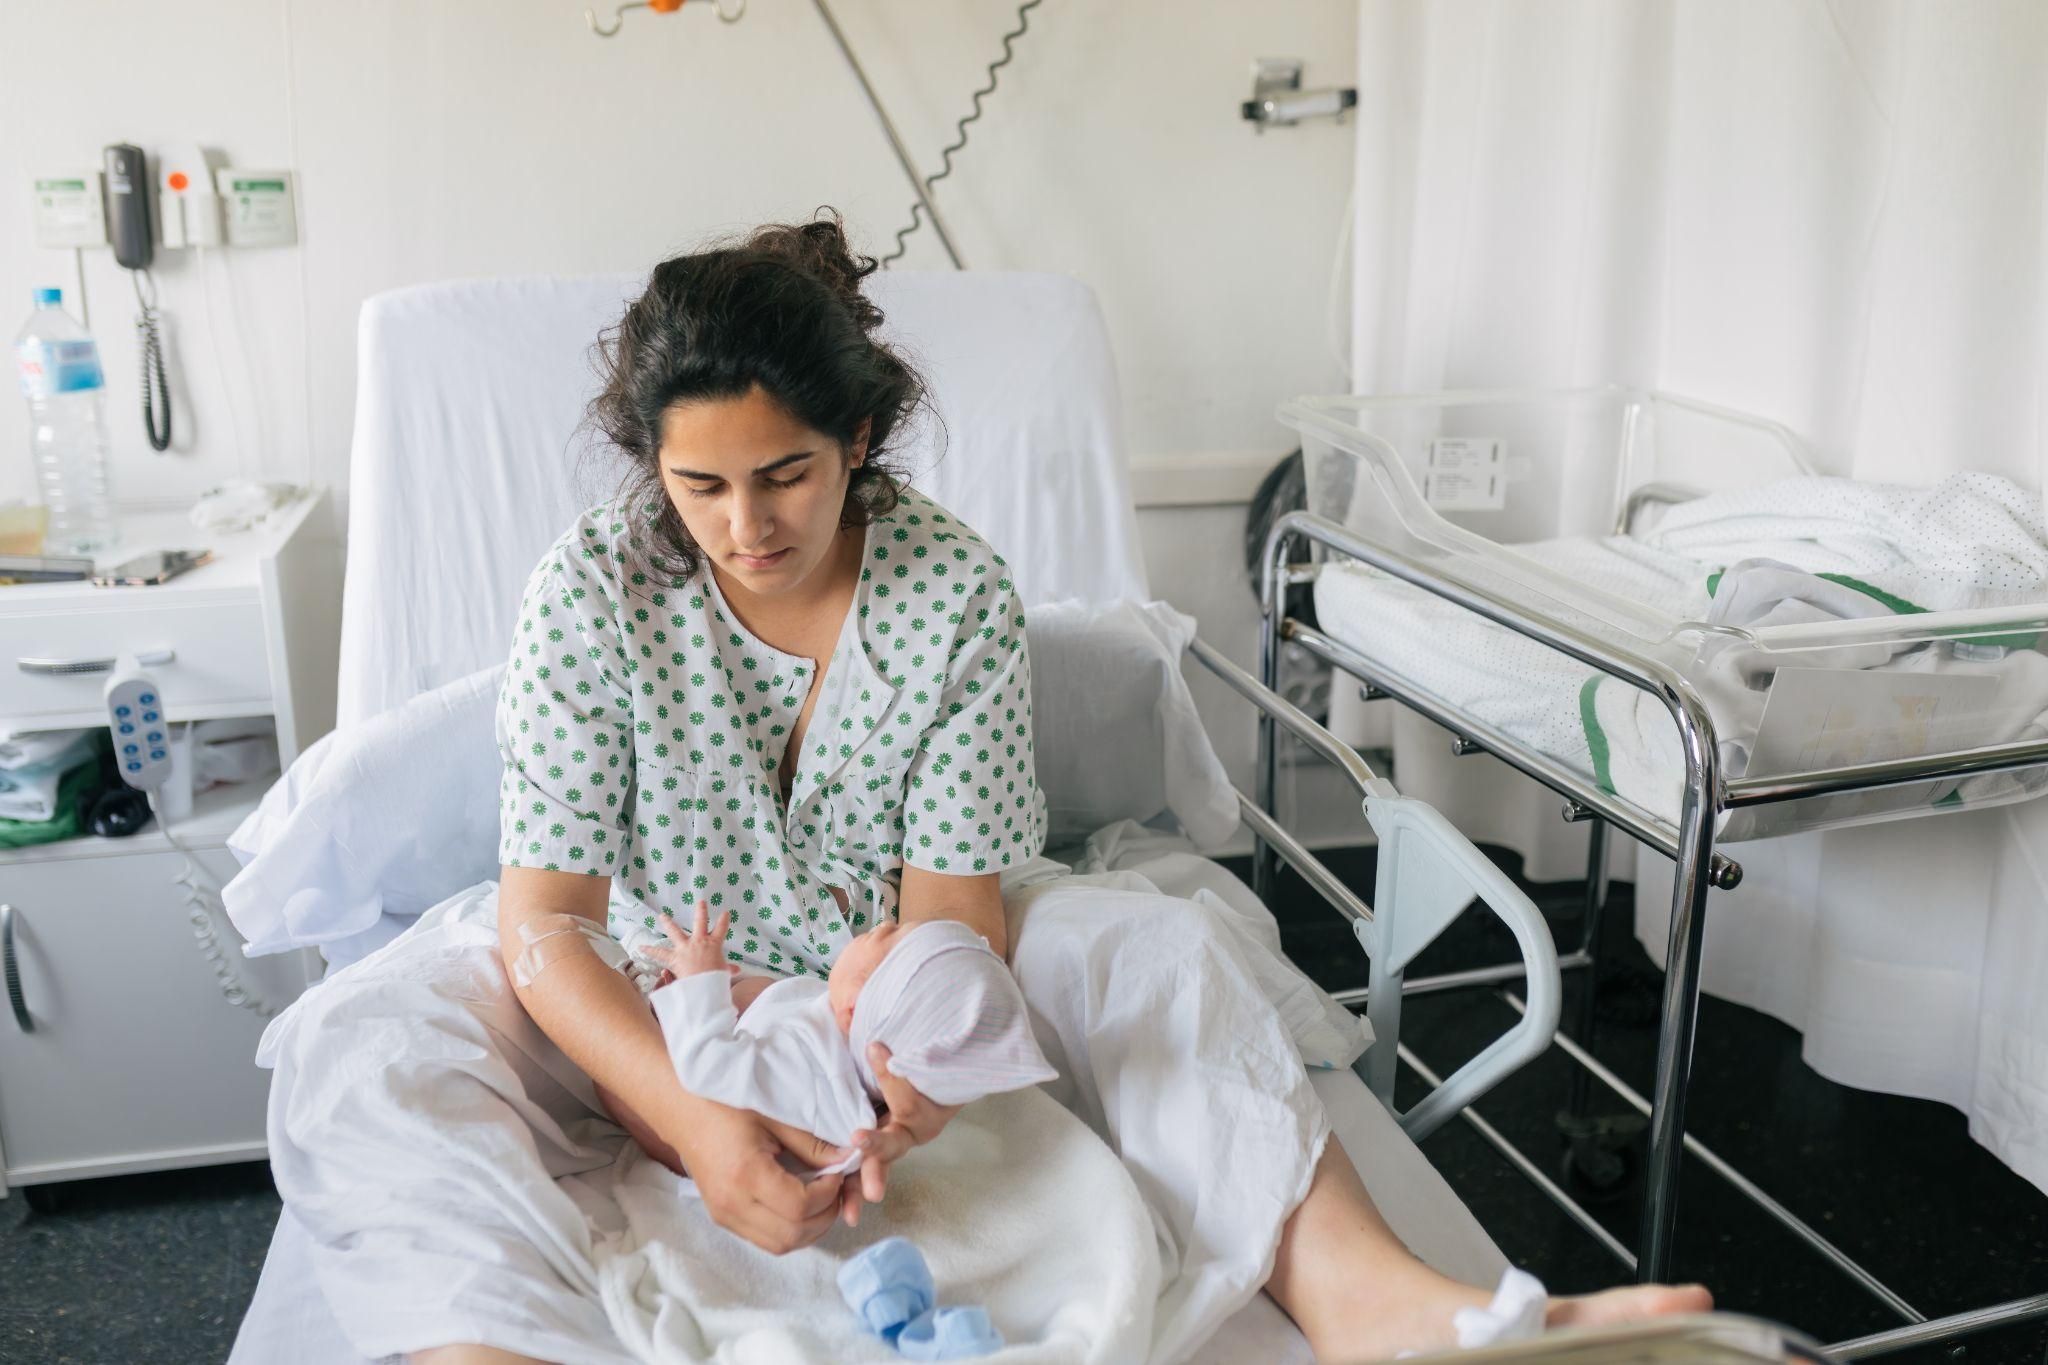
913, 1121
731, 1154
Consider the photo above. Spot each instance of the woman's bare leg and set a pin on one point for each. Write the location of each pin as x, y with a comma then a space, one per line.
1358, 1294
471, 1355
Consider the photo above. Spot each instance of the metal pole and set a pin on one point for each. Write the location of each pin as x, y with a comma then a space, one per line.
1469, 979
1943, 1329
1551, 1189
1596, 901
1691, 881
1744, 1186
889, 130
1894, 772
1320, 879
1532, 762
1272, 606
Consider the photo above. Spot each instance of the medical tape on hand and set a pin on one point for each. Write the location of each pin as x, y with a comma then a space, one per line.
549, 939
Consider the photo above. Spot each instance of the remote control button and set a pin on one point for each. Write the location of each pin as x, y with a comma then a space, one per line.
148, 699
130, 749
123, 711
150, 716
156, 755
127, 729
134, 767
155, 736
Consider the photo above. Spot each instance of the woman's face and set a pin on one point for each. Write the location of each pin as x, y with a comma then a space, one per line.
759, 492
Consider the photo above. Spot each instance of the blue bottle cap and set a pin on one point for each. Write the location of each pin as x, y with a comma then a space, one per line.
49, 296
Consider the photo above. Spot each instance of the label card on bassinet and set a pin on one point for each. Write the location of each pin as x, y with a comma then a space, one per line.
1466, 474
1836, 717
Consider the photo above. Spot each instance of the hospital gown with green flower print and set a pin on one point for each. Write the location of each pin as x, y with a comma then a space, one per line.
642, 726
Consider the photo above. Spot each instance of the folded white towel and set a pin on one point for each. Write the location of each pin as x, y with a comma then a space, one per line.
35, 749
30, 793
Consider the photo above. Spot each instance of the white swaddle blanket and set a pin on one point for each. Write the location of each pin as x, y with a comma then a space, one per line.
941, 1001
992, 1204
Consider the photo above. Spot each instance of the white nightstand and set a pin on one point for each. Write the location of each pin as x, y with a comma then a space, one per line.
118, 1052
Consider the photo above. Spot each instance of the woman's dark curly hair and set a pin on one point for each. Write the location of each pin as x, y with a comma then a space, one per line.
781, 308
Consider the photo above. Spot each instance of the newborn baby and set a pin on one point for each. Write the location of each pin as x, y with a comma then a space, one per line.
934, 994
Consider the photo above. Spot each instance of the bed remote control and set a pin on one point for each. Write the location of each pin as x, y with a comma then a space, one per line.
142, 738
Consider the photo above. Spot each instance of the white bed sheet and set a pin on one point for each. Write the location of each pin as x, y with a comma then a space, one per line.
289, 1319
469, 458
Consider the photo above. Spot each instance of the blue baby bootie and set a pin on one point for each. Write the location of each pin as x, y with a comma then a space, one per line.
886, 1286
950, 1334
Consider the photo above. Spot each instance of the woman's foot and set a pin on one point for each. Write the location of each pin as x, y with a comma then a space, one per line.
1419, 1317
1631, 1303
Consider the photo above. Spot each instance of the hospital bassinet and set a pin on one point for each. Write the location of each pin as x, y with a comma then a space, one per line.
1659, 610
1559, 508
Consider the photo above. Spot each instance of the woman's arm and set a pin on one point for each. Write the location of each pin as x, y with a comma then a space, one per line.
602, 1023
976, 902
593, 1013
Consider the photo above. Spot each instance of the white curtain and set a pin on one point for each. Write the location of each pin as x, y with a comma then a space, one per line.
1828, 214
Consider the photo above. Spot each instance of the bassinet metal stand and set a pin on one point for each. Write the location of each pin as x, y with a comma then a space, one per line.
1689, 843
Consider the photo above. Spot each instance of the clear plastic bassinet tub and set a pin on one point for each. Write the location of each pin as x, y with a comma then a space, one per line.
1823, 623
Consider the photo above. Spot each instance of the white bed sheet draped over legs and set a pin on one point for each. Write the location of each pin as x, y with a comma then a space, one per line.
455, 1180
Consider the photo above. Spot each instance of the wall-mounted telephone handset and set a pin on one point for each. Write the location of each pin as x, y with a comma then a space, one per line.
130, 229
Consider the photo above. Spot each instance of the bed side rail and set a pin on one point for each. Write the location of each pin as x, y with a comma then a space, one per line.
1428, 874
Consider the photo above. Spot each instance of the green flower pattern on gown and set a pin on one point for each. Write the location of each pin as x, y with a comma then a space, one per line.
641, 727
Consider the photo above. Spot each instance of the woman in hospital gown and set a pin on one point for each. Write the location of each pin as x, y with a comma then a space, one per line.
770, 676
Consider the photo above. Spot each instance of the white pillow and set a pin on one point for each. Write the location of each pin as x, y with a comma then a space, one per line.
379, 822
1114, 727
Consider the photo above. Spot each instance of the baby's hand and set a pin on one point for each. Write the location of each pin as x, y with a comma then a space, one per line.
696, 951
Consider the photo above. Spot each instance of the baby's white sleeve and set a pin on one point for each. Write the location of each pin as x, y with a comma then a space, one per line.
771, 1072
698, 1025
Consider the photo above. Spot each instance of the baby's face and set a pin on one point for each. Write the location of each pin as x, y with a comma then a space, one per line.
851, 972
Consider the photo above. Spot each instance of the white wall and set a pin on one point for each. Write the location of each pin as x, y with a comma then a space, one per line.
480, 137
476, 137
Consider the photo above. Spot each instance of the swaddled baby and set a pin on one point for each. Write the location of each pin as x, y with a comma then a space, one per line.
935, 995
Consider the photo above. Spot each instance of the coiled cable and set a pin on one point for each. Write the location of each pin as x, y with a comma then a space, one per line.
156, 389
201, 910
960, 135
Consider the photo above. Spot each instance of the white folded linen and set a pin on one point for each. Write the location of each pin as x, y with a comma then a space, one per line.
37, 747
30, 792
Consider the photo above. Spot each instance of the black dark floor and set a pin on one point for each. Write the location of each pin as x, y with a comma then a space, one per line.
1897, 1183
160, 1267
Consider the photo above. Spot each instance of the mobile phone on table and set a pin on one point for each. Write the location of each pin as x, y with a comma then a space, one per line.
148, 570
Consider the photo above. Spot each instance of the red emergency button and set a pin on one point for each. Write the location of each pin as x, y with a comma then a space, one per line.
178, 181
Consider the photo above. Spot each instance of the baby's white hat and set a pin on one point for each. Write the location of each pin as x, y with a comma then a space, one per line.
951, 1016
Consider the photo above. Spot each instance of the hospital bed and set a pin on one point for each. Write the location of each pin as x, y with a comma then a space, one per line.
1544, 575
469, 457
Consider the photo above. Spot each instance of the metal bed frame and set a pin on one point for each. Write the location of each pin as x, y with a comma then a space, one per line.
1689, 843
1452, 875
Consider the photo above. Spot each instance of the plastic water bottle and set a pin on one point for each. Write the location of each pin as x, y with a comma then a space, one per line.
61, 377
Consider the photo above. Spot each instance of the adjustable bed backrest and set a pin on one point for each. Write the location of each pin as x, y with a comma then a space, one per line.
470, 457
